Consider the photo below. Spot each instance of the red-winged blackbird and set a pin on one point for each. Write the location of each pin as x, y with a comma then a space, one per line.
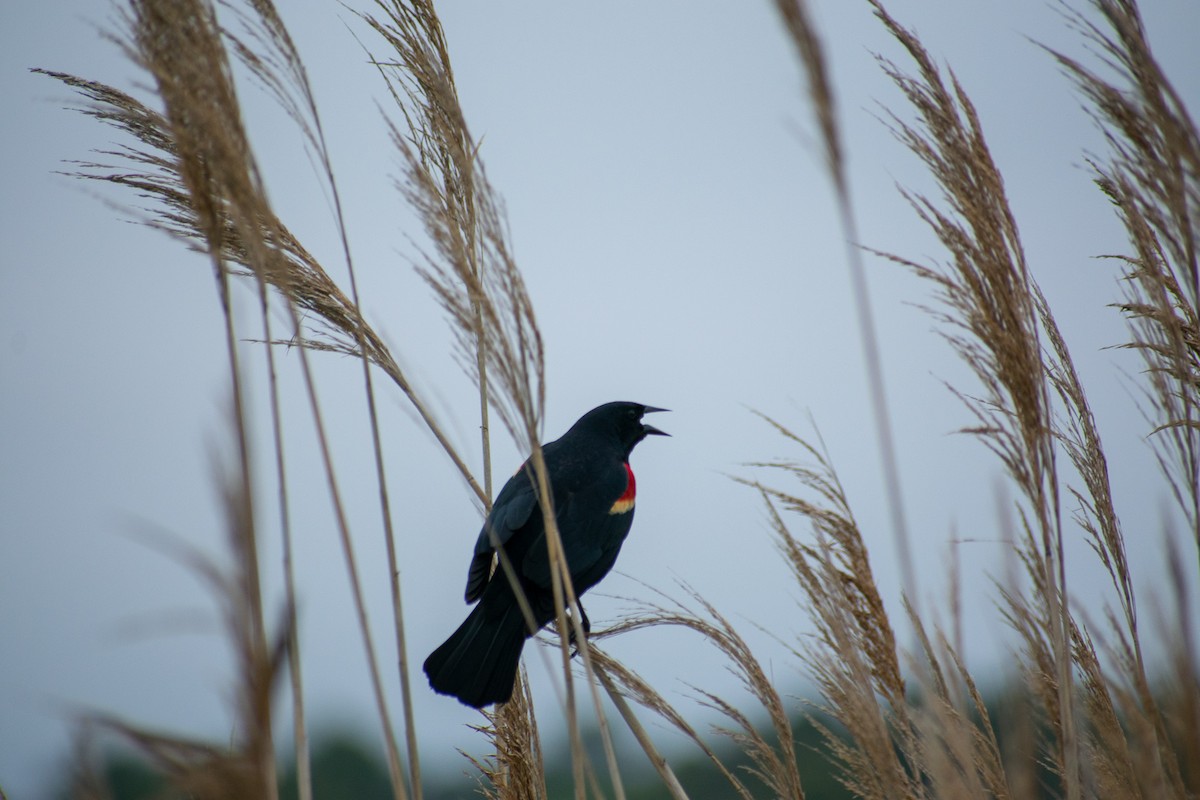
592, 488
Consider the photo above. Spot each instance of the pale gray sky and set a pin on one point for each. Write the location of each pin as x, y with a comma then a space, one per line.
677, 234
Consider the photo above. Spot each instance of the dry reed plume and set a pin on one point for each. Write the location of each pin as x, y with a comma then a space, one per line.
1089, 712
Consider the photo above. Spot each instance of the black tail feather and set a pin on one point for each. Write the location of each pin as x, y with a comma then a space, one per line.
478, 663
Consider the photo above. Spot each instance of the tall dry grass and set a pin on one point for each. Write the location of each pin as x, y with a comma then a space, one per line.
1090, 711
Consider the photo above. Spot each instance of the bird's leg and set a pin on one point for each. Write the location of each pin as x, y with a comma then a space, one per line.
584, 623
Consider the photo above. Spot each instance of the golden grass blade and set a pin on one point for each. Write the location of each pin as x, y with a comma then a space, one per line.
178, 43
279, 41
802, 31
674, 788
1180, 747
1152, 176
958, 755
854, 659
295, 669
197, 163
152, 172
517, 771
992, 312
475, 278
989, 293
775, 762
621, 681
270, 55
244, 767
244, 213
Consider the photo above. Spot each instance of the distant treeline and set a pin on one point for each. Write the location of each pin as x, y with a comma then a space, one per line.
348, 766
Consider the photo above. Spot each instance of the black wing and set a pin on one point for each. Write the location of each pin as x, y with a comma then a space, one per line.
511, 511
591, 536
583, 495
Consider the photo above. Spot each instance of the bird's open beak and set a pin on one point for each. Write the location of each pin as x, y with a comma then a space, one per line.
650, 430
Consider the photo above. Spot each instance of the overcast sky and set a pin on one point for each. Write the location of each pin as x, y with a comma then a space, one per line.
677, 234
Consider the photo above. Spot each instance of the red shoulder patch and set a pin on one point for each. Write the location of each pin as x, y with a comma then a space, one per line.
624, 503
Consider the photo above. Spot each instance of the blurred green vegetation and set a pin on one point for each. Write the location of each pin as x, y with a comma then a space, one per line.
347, 765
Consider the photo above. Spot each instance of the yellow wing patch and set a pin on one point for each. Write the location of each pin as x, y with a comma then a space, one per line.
622, 506
624, 503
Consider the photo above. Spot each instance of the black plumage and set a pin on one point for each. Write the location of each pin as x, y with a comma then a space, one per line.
593, 491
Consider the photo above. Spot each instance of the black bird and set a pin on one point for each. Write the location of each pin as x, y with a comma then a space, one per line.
593, 490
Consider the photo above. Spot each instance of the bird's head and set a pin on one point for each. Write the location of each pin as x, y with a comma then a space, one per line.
622, 420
